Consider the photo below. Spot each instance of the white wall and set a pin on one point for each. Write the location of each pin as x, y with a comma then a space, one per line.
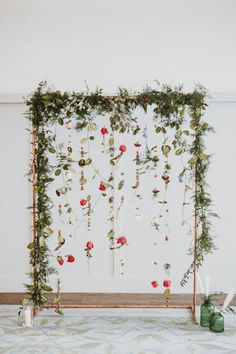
111, 44
15, 226
15, 223
114, 43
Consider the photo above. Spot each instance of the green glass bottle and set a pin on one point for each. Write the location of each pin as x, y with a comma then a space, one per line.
207, 308
216, 322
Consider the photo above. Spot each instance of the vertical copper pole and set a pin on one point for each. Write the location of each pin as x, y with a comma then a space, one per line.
33, 180
195, 253
33, 197
113, 210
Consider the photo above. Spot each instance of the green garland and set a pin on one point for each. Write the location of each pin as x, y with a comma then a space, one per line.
48, 108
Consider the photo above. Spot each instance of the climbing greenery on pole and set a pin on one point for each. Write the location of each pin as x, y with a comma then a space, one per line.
170, 107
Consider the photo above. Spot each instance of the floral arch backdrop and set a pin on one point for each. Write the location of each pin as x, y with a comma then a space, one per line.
177, 119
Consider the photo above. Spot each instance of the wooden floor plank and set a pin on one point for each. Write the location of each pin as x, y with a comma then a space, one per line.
113, 299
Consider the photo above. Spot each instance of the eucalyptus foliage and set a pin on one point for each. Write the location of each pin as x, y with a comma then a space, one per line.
170, 105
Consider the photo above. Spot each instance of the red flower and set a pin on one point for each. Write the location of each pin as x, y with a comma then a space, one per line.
165, 177
155, 191
122, 148
122, 240
83, 202
89, 245
145, 97
167, 283
154, 284
104, 131
102, 187
60, 260
70, 259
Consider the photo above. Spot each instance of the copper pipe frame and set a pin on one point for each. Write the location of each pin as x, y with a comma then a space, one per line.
191, 307
195, 255
33, 196
122, 307
33, 180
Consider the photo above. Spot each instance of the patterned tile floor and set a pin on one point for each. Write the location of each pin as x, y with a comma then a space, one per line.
113, 332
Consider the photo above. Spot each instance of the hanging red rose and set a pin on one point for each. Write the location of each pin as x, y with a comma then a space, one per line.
145, 97
154, 284
122, 148
102, 187
88, 248
70, 258
104, 131
83, 202
89, 245
165, 178
122, 240
167, 283
60, 260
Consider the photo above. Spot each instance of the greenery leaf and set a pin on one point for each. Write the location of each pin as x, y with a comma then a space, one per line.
192, 161
88, 162
30, 246
121, 184
92, 126
166, 149
111, 142
83, 141
111, 234
178, 152
166, 294
46, 287
51, 150
58, 172
65, 167
60, 121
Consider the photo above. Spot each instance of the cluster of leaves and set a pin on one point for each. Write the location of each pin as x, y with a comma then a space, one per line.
47, 108
199, 164
38, 289
217, 297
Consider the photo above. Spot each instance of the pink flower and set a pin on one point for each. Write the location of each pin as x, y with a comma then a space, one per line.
83, 202
154, 284
167, 283
69, 125
102, 187
104, 131
122, 240
122, 148
89, 245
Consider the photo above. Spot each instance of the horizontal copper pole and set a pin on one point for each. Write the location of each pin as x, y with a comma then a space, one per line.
119, 306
